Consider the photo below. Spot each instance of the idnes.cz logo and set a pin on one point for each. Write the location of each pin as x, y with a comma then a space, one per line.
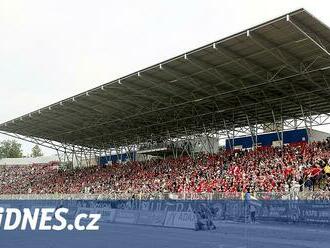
46, 219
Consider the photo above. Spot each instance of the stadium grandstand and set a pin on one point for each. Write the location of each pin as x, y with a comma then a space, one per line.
157, 132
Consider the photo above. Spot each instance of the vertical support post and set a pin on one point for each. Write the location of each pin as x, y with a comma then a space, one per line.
295, 123
121, 153
73, 154
233, 136
128, 152
176, 148
87, 161
100, 156
171, 143
233, 131
276, 127
67, 158
305, 122
90, 157
282, 131
256, 132
59, 157
248, 121
81, 157
311, 125
210, 144
117, 154
282, 127
186, 143
227, 132
256, 129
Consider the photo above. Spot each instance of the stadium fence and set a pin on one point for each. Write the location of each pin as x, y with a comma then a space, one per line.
306, 195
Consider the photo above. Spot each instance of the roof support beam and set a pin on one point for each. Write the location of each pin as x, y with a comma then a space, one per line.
221, 75
319, 40
284, 56
158, 83
127, 87
281, 55
199, 114
245, 63
180, 76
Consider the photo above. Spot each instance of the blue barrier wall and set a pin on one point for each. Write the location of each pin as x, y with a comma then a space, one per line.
131, 223
115, 158
291, 136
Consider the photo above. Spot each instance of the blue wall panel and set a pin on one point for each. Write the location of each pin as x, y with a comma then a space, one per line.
291, 136
114, 158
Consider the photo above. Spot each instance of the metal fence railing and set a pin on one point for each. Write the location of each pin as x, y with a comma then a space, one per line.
305, 195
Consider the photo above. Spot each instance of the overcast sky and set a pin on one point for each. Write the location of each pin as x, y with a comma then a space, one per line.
50, 50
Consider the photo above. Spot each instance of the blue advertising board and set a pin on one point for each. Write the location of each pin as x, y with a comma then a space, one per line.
289, 137
132, 223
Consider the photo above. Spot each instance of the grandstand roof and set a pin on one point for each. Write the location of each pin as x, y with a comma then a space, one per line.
279, 67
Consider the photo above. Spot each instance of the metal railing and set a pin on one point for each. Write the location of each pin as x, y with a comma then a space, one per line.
305, 195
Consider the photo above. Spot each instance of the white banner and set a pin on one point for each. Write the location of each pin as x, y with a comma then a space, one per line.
180, 219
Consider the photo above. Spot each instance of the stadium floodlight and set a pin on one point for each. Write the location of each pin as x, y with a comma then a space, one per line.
287, 18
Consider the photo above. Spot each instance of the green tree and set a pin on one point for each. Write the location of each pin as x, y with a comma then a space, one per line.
36, 151
10, 149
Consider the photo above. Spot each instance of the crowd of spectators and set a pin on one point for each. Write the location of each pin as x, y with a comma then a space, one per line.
292, 167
